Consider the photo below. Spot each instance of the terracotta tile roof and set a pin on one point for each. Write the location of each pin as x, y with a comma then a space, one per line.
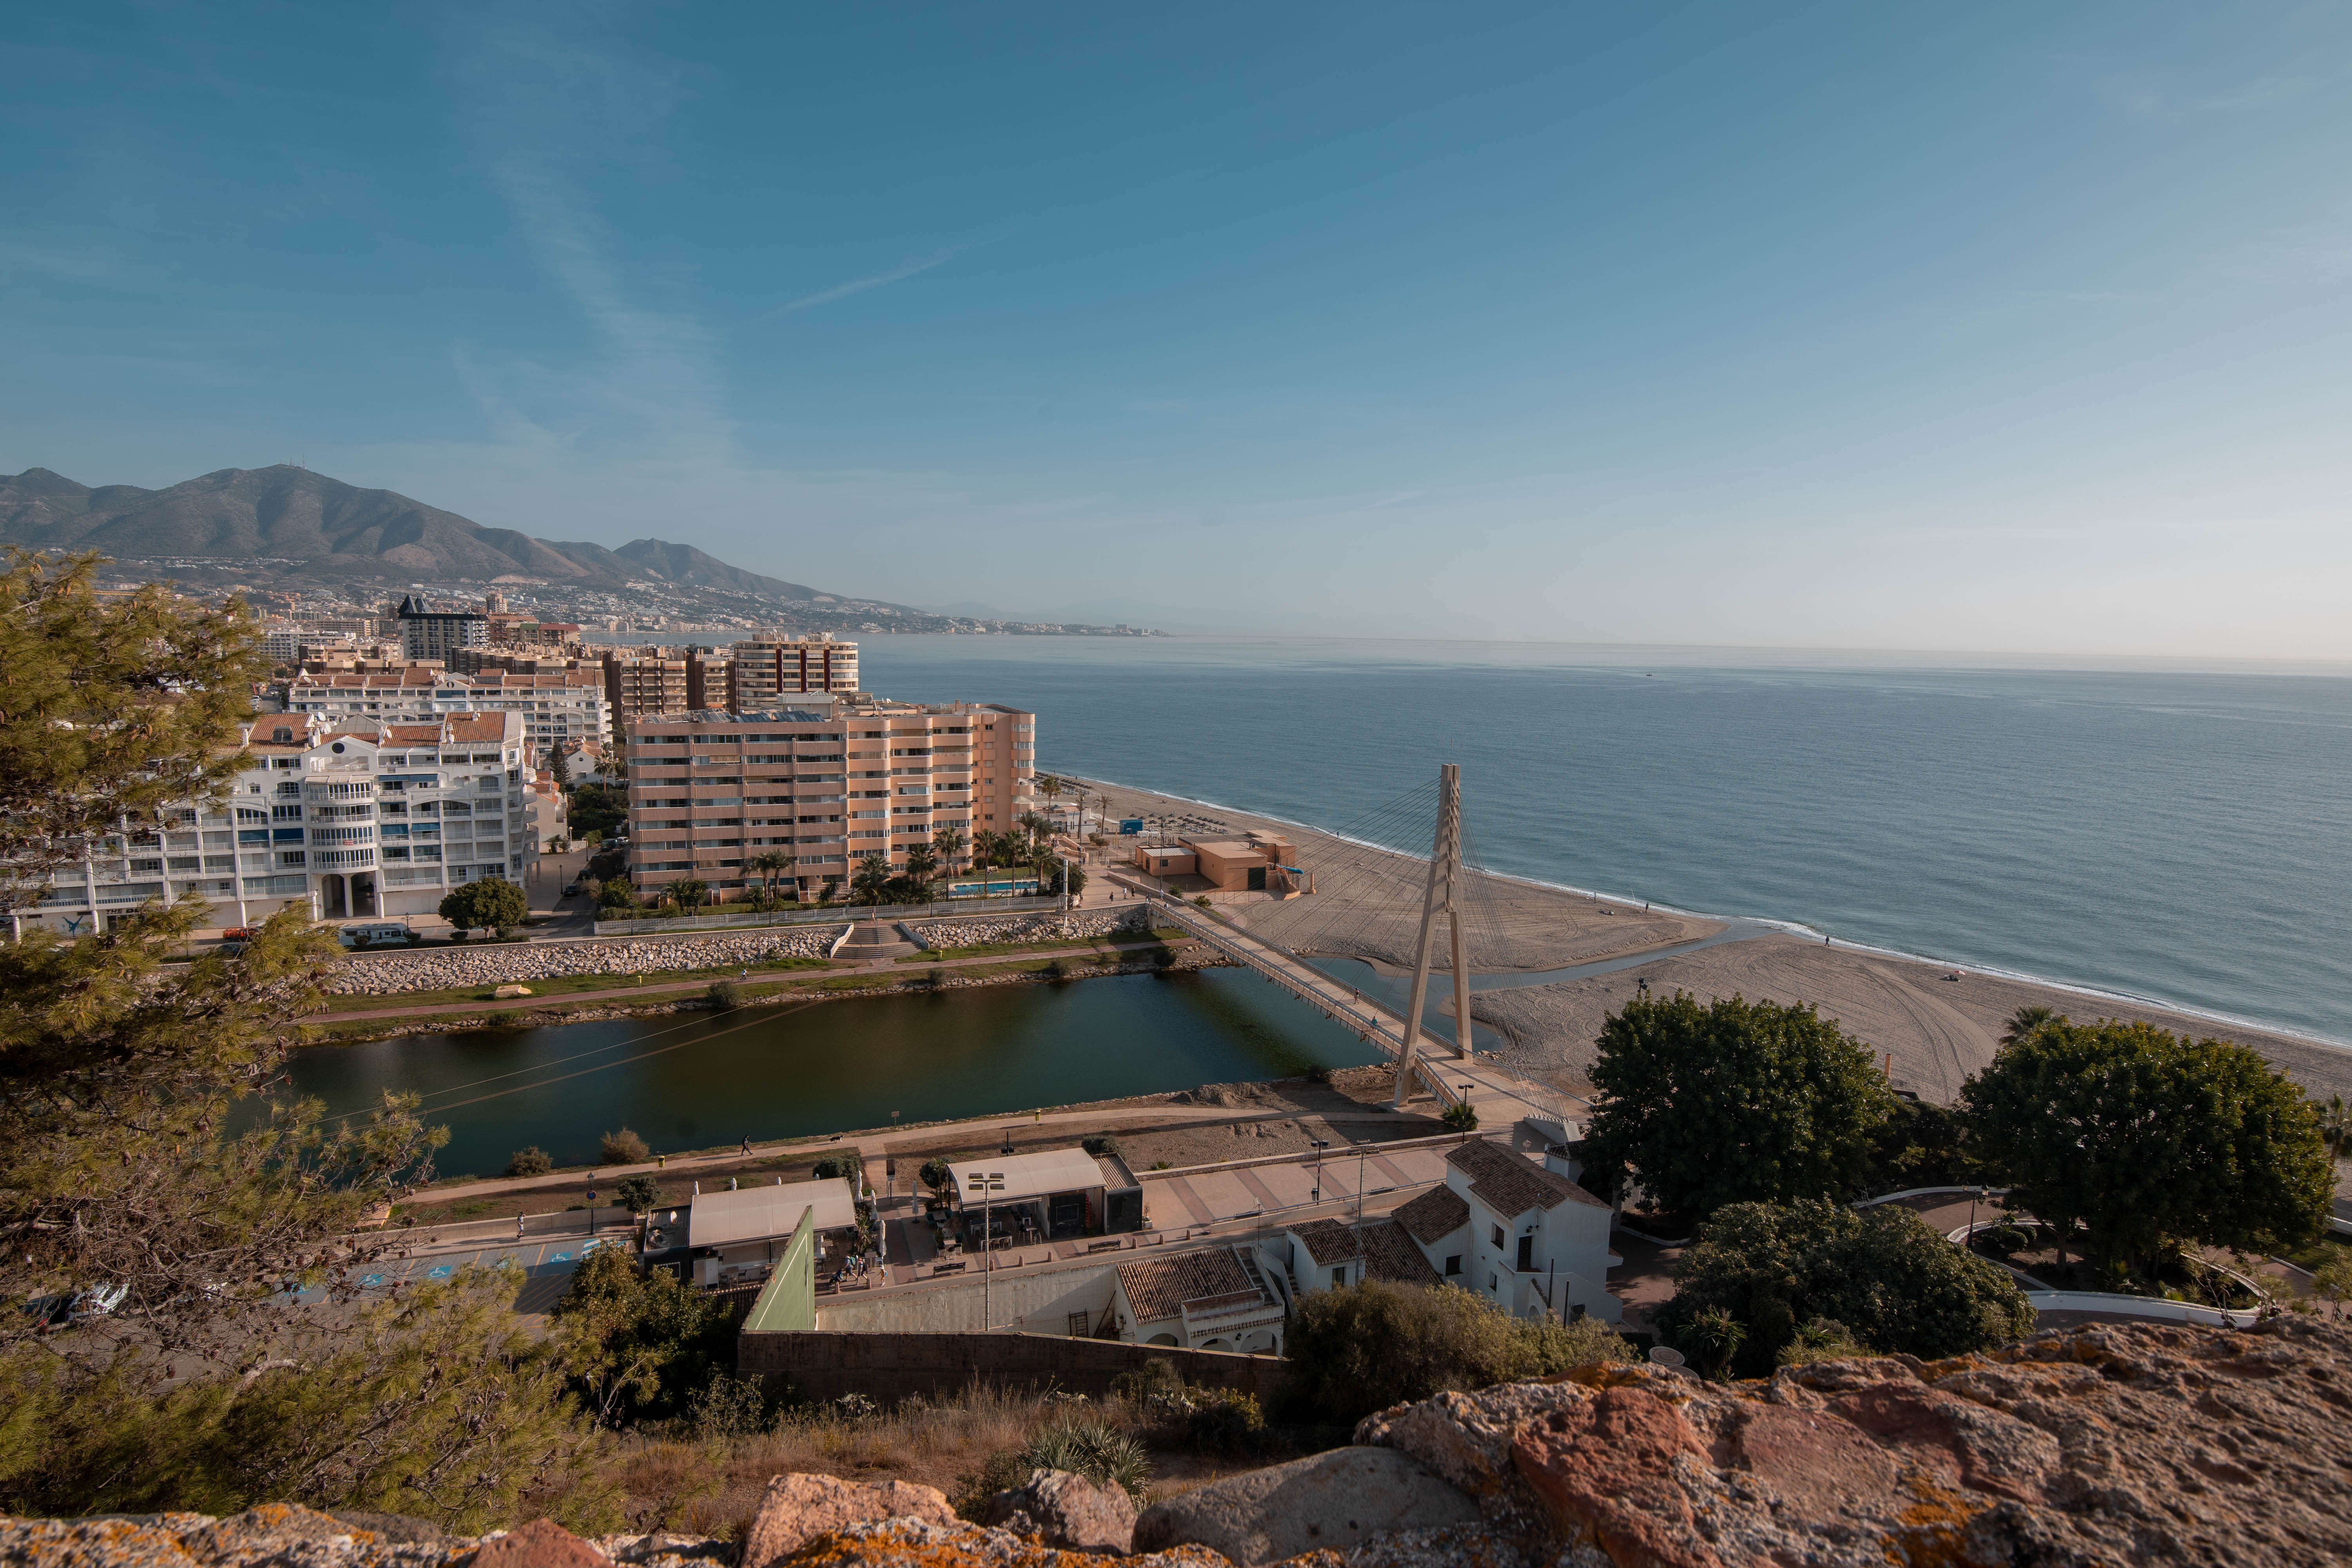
1437, 1212
482, 728
1390, 1254
1158, 1287
1327, 1240
1512, 1184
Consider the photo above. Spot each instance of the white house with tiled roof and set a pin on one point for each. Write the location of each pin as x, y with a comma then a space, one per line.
1524, 1236
1211, 1298
341, 818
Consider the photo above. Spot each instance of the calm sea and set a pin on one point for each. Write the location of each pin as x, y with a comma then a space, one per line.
2179, 836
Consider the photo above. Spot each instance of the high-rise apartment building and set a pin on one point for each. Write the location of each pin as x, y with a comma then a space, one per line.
642, 682
709, 791
774, 672
438, 634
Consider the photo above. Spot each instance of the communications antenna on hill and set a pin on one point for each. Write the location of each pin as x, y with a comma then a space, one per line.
1445, 878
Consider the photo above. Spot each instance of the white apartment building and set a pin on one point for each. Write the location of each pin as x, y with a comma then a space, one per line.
555, 705
339, 817
1523, 1235
709, 791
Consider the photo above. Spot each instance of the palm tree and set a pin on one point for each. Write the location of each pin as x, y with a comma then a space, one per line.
1050, 787
771, 864
2027, 1022
2335, 1127
947, 843
872, 883
922, 864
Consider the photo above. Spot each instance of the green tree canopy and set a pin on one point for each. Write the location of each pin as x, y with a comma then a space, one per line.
1735, 1101
2146, 1140
637, 1346
109, 711
487, 902
1882, 1272
596, 808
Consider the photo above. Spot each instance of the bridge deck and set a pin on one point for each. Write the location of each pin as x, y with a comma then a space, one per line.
1441, 1065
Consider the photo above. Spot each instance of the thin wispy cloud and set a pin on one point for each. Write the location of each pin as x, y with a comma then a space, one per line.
860, 285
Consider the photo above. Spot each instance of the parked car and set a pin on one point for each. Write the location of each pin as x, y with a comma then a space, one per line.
572, 889
385, 933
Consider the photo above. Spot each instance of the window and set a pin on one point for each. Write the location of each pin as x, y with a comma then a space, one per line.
1339, 1277
1499, 1236
1490, 1284
1454, 1264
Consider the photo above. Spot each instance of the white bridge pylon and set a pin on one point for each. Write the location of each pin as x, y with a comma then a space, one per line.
1444, 883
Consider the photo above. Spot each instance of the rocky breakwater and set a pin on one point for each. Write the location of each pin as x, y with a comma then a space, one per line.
510, 964
1079, 925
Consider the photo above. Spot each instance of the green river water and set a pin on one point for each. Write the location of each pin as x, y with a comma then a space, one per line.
695, 1080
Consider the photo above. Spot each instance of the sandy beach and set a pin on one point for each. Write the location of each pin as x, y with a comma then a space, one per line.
1367, 903
1938, 1030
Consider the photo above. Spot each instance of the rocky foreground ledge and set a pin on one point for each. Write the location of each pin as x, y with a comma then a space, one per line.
2097, 1445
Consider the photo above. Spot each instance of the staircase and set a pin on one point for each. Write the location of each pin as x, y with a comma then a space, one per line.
876, 939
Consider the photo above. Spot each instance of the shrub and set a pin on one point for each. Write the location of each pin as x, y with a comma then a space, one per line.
1102, 1454
1362, 1348
833, 1168
531, 1161
1883, 1273
1101, 1143
726, 995
728, 1407
1823, 1339
935, 1173
625, 1148
638, 1194
1222, 1423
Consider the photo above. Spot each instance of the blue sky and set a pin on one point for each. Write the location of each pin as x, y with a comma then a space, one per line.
1974, 328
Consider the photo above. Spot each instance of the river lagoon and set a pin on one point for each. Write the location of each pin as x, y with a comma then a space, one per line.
695, 1080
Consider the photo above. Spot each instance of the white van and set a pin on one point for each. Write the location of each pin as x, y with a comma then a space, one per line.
385, 933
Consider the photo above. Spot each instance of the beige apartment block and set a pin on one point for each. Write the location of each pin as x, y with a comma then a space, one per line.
642, 684
712, 792
773, 672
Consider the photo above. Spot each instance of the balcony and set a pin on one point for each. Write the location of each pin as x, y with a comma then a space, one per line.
338, 789
343, 860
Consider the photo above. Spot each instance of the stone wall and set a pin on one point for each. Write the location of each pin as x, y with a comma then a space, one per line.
1079, 925
824, 1364
501, 963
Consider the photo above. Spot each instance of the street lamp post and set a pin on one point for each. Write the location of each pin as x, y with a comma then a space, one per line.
1362, 1149
1320, 1144
985, 1185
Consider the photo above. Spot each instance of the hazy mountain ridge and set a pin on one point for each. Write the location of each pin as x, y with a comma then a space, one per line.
279, 516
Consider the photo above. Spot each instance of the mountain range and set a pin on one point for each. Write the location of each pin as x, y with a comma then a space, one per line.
287, 517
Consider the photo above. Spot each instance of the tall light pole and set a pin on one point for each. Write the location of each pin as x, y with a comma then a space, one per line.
994, 1181
1362, 1149
1320, 1144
